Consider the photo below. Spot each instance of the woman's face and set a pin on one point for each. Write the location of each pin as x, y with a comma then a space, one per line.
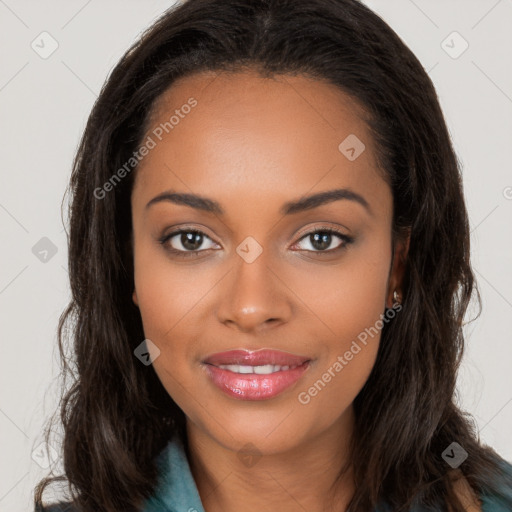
258, 276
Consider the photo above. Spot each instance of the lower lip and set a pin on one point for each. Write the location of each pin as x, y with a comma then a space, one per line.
252, 386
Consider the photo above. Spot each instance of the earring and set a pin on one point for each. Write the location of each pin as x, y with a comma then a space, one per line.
396, 298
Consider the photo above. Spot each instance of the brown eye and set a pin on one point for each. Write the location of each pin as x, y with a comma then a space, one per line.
186, 241
191, 241
324, 240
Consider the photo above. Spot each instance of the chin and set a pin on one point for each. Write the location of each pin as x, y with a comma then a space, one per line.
266, 433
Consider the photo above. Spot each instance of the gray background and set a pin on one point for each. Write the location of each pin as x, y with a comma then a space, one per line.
44, 104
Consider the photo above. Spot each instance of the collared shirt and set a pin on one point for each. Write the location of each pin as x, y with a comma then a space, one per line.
177, 490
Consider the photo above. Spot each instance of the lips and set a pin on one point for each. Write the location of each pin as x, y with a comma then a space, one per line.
257, 358
258, 375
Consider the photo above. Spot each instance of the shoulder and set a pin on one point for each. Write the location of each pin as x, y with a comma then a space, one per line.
497, 500
465, 493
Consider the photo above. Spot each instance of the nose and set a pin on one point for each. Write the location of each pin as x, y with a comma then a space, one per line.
255, 298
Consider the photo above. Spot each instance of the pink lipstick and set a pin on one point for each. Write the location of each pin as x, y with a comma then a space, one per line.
259, 375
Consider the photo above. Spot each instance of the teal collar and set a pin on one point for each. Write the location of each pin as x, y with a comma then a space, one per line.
177, 490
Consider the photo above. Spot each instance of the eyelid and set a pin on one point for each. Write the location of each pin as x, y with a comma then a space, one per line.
187, 228
322, 227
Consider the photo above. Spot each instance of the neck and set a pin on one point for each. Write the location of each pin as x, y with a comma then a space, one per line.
304, 477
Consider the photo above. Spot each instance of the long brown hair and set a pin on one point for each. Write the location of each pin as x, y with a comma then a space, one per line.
115, 412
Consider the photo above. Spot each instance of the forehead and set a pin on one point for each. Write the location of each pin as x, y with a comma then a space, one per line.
270, 137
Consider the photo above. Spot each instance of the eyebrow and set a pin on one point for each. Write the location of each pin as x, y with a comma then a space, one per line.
305, 203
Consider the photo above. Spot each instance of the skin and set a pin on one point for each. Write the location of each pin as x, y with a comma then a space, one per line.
253, 144
465, 493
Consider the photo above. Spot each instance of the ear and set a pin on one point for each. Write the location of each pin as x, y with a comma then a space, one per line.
401, 251
134, 298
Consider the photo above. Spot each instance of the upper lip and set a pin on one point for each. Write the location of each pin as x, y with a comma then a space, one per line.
256, 358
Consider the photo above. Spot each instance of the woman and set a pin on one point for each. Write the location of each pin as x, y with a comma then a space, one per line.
269, 260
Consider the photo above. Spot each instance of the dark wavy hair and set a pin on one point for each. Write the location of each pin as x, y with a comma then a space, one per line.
116, 414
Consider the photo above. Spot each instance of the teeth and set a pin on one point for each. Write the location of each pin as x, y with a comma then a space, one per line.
268, 368
260, 370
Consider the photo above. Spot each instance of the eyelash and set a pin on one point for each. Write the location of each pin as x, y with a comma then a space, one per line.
186, 254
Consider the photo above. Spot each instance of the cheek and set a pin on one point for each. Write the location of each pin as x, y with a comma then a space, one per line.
347, 297
167, 292
166, 300
160, 312
347, 305
170, 297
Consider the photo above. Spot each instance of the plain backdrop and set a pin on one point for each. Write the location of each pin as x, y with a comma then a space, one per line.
44, 105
